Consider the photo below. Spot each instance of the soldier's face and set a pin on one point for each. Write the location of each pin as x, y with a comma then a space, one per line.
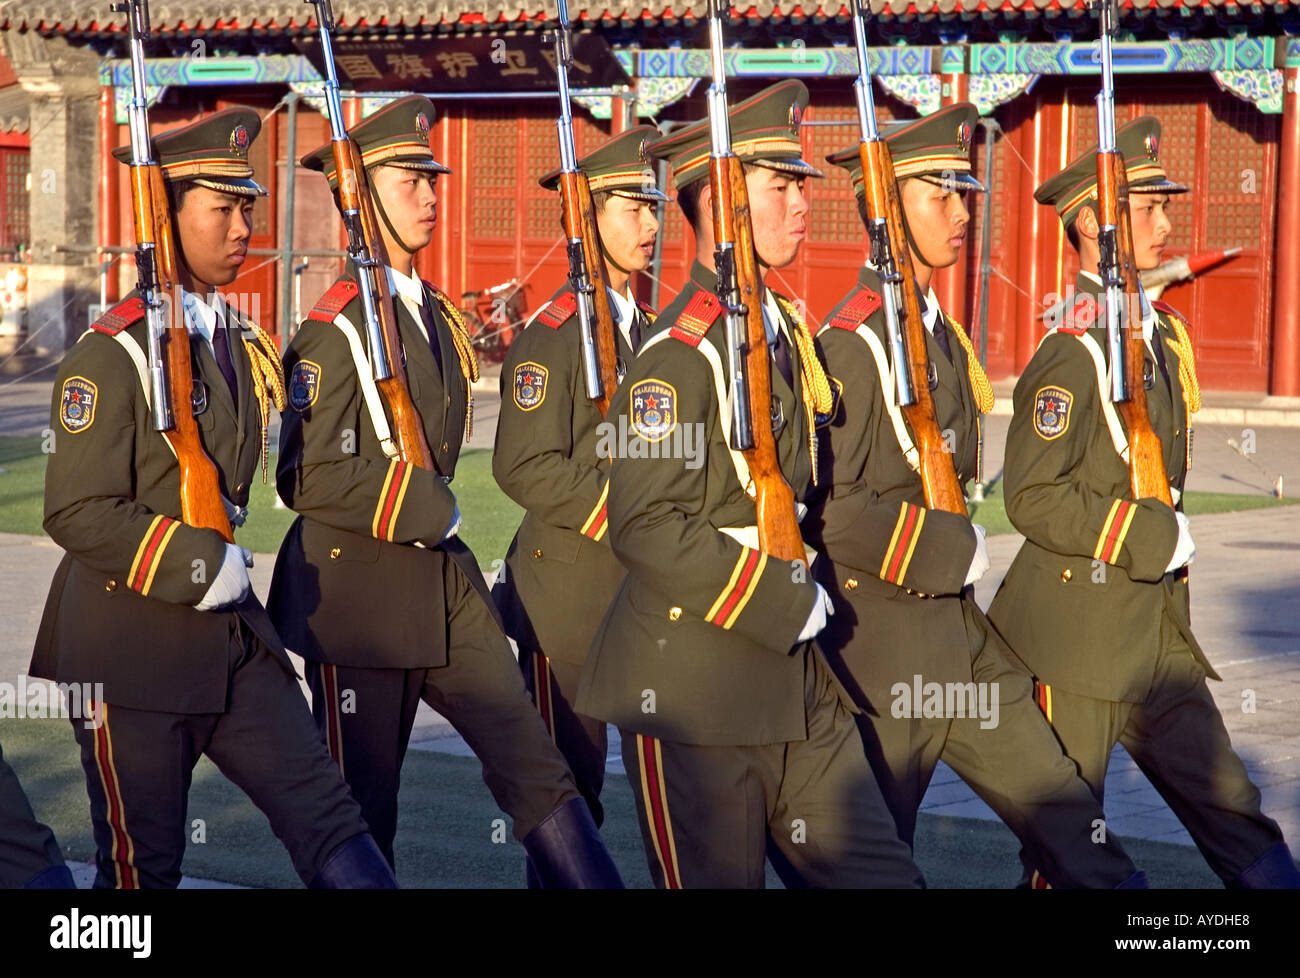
410, 200
937, 217
779, 213
627, 232
1151, 228
214, 229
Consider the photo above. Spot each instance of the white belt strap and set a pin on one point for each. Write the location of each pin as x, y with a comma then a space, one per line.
369, 391
129, 344
887, 389
710, 354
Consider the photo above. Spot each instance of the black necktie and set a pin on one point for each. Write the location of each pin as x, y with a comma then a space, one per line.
941, 336
221, 350
1158, 347
781, 353
634, 331
432, 329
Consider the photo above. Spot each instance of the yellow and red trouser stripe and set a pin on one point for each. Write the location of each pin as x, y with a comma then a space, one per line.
121, 848
1114, 530
654, 794
150, 552
390, 501
740, 588
329, 677
898, 555
1043, 697
598, 522
542, 691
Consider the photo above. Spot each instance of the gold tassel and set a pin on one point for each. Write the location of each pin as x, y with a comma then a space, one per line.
264, 363
817, 397
465, 353
979, 380
1186, 365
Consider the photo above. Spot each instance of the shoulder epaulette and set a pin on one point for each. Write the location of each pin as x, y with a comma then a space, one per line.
645, 307
120, 316
855, 312
558, 312
336, 297
1081, 314
1167, 308
701, 312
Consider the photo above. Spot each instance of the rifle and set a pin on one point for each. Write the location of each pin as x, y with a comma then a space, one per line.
904, 325
1119, 275
170, 373
367, 252
586, 265
740, 291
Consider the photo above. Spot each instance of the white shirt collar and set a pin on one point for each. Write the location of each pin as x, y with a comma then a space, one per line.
201, 313
930, 312
624, 307
1148, 311
409, 287
771, 316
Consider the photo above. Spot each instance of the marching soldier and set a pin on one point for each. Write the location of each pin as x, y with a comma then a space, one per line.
560, 573
161, 612
903, 575
1127, 667
372, 585
739, 743
29, 853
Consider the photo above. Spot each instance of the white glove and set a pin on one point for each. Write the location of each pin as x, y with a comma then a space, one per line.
979, 563
1176, 493
454, 528
231, 585
1184, 549
817, 617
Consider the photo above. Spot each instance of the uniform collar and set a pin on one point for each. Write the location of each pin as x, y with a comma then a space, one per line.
409, 287
624, 307
1148, 312
202, 313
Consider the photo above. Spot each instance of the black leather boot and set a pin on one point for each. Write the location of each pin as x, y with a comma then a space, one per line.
52, 878
565, 851
1275, 870
355, 865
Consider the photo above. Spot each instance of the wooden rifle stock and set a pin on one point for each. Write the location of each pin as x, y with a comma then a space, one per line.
354, 194
1146, 460
580, 222
778, 527
938, 476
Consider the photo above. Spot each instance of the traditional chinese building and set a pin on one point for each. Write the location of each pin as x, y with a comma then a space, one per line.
1221, 77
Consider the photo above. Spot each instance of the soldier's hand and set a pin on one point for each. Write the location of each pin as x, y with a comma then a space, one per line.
821, 610
1185, 548
231, 585
979, 563
454, 528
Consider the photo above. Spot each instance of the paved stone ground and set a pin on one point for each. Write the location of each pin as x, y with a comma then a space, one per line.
1245, 583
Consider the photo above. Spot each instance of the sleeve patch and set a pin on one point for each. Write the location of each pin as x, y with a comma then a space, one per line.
334, 300
558, 312
1052, 412
701, 312
77, 404
654, 409
530, 385
304, 384
855, 312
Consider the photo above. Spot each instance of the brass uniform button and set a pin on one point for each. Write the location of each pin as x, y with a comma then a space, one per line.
444, 448
334, 552
111, 586
240, 488
537, 554
1065, 576
851, 584
674, 613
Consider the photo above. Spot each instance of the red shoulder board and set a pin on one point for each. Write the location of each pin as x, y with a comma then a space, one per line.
645, 307
854, 312
1167, 308
1083, 313
334, 300
558, 312
120, 316
700, 313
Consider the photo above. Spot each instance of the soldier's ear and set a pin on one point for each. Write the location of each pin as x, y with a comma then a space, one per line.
1086, 222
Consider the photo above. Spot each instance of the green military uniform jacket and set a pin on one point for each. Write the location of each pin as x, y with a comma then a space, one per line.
560, 571
698, 646
885, 550
358, 578
1083, 601
121, 607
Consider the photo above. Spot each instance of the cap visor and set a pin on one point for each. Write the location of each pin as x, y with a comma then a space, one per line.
231, 185
796, 166
653, 196
961, 181
1158, 186
429, 165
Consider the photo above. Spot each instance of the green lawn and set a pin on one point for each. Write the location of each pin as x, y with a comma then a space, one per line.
490, 517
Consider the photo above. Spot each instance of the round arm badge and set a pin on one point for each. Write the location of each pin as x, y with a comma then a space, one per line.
530, 385
77, 404
654, 409
304, 385
1052, 411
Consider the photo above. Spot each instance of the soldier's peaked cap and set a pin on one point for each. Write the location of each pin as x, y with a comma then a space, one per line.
1075, 186
764, 131
618, 166
935, 148
396, 135
212, 152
